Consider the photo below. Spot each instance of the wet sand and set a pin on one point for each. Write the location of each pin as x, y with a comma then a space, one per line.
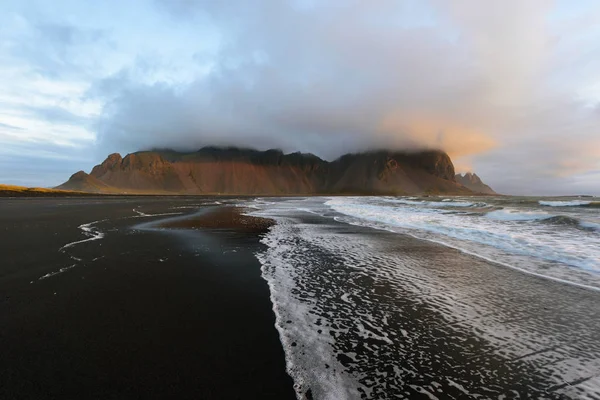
133, 313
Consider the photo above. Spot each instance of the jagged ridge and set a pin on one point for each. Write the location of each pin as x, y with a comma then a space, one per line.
231, 170
473, 182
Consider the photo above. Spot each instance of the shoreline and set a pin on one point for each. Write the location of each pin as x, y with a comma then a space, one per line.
123, 298
155, 313
370, 299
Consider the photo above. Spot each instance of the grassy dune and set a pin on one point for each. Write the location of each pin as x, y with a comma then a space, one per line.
22, 191
13, 190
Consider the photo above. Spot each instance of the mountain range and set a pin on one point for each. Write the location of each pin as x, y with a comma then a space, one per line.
238, 171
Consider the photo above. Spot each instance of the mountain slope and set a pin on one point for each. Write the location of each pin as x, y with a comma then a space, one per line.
473, 182
214, 170
80, 181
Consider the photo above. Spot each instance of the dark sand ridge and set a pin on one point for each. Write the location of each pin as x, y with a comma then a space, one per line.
170, 313
231, 218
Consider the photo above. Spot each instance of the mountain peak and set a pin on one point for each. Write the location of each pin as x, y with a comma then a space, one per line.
474, 182
112, 161
79, 175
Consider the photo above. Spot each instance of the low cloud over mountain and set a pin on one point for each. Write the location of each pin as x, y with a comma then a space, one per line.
508, 89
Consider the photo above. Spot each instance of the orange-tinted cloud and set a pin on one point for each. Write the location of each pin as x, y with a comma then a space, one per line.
455, 137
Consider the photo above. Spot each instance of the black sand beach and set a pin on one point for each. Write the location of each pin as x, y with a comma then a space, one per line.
164, 297
136, 314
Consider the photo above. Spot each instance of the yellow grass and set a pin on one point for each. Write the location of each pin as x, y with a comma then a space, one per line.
23, 189
11, 190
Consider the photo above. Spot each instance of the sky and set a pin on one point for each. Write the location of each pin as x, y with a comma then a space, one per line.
510, 89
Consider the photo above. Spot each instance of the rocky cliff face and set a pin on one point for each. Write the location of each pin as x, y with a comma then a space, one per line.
214, 170
382, 172
473, 182
112, 161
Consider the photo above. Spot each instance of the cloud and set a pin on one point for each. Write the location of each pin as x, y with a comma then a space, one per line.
54, 50
55, 115
469, 78
508, 88
10, 127
326, 79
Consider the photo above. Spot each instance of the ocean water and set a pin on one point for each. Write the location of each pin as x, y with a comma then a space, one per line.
557, 239
449, 297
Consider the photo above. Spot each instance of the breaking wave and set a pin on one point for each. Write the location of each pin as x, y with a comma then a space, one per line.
363, 315
441, 203
517, 215
561, 247
566, 203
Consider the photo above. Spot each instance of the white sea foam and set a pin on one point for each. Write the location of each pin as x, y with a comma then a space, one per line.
564, 203
142, 214
590, 225
508, 236
307, 350
90, 231
443, 203
517, 215
350, 287
60, 271
193, 206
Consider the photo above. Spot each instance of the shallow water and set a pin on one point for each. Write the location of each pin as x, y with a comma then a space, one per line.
382, 313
